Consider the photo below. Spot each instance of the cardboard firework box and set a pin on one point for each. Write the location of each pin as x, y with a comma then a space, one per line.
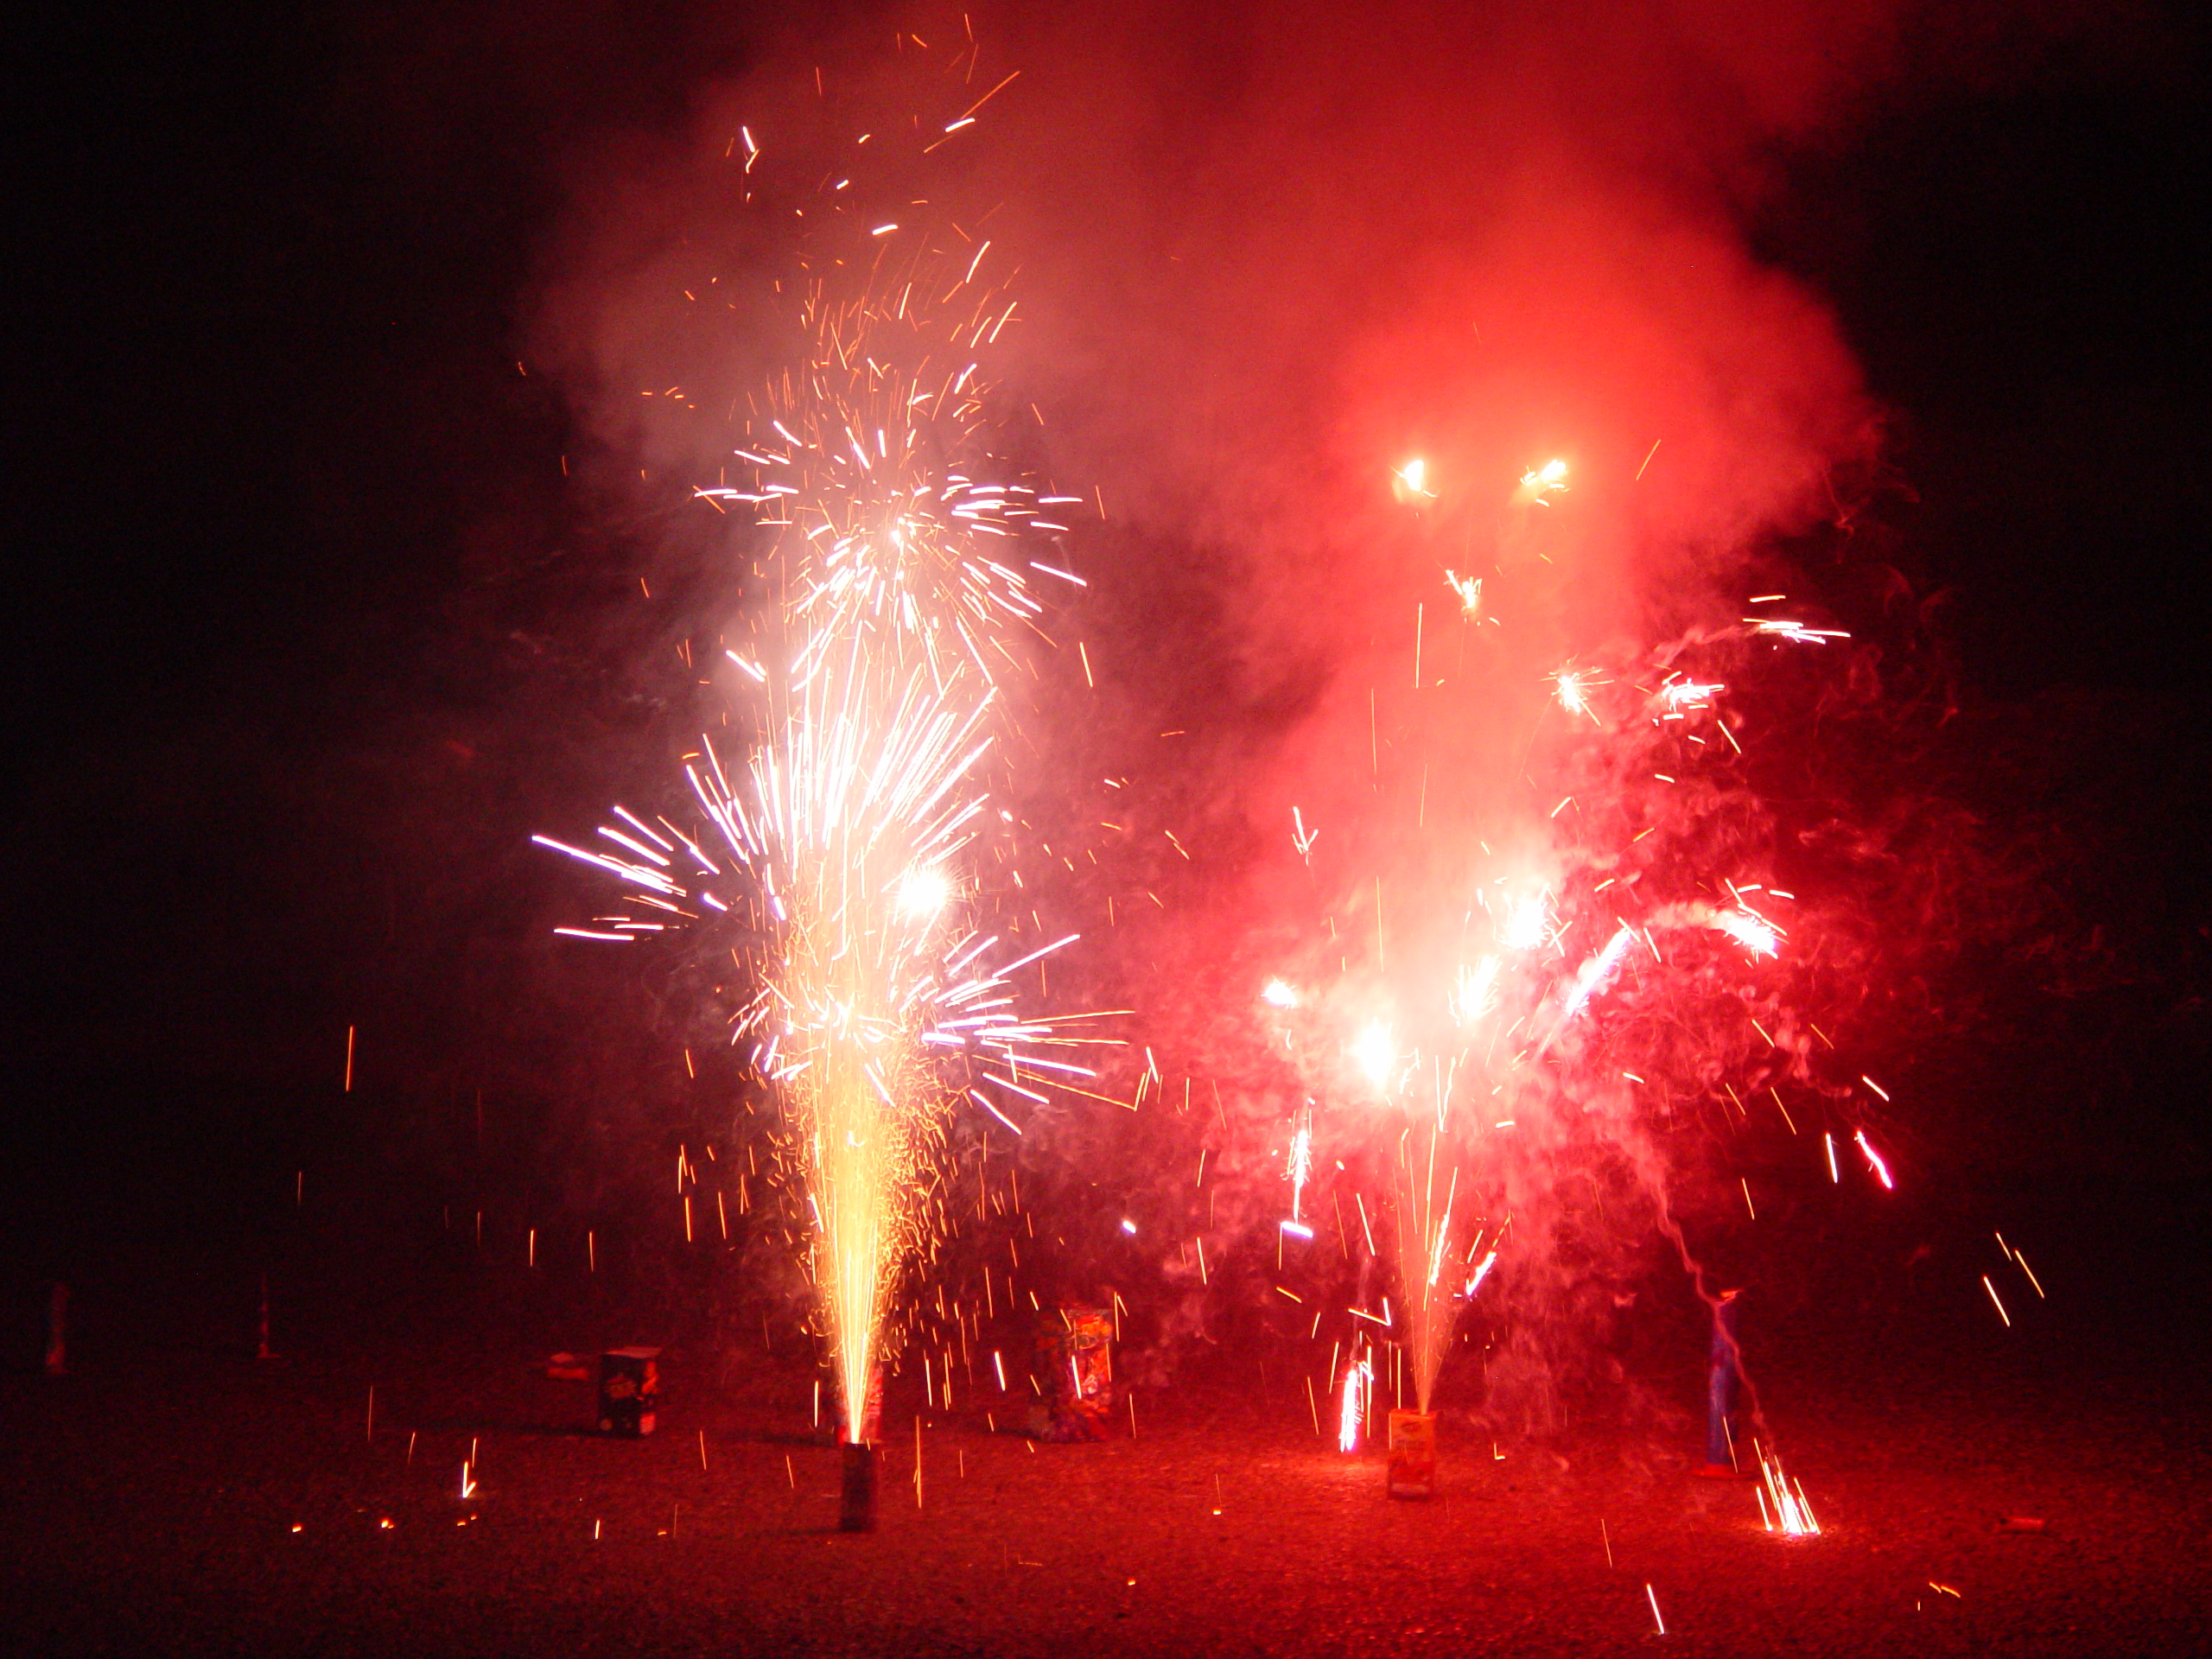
1413, 1454
629, 1392
1075, 1362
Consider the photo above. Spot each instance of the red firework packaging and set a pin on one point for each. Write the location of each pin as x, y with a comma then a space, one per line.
1075, 1362
1413, 1454
629, 1392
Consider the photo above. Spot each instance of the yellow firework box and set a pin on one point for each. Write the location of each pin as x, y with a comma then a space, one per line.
1413, 1454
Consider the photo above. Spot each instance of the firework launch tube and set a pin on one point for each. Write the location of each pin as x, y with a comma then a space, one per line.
857, 1511
1721, 1384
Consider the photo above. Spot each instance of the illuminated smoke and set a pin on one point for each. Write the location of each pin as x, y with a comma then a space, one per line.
885, 591
1421, 361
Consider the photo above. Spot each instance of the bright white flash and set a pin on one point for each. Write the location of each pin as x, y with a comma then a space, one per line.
1474, 993
1470, 589
1688, 694
1373, 1053
924, 892
1777, 628
1547, 479
1751, 930
1482, 1272
1359, 1375
1279, 993
1527, 925
1875, 1160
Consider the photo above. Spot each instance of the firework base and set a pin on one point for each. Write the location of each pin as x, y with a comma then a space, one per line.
1413, 1454
871, 1428
856, 1513
629, 1392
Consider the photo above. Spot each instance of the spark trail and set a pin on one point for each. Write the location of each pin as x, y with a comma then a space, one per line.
835, 863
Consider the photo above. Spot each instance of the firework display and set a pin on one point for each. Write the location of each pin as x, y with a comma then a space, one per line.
1547, 950
1104, 829
833, 860
1501, 1010
1514, 993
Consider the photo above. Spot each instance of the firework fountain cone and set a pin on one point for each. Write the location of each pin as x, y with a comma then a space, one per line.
1721, 1372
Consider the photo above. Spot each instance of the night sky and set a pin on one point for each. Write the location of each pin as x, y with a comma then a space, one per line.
312, 631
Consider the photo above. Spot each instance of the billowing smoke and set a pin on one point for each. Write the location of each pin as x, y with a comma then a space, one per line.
1413, 739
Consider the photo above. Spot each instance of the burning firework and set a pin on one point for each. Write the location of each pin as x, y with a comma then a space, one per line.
1424, 1244
1539, 483
1409, 483
836, 863
1616, 948
1783, 1505
1358, 1390
1300, 1170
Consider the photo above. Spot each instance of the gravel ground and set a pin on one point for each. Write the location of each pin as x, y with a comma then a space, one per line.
200, 1503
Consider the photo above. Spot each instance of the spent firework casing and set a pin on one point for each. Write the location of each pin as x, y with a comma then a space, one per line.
1074, 1360
629, 1391
1413, 1454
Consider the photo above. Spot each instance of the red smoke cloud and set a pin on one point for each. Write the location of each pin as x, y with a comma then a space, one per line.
1274, 254
1264, 258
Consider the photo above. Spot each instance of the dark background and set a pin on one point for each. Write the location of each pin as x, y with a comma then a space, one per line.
312, 630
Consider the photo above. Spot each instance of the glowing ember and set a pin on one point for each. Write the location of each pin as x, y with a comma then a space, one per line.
1528, 923
1410, 482
1594, 973
1474, 991
1301, 1161
1549, 480
924, 893
1470, 590
1751, 930
1875, 1161
1796, 631
1482, 1272
1688, 694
